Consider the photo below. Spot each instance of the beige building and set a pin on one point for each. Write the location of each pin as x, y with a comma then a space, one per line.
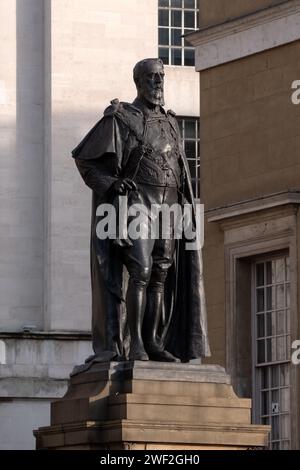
248, 53
62, 61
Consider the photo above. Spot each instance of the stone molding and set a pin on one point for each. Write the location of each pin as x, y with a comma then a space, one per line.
253, 205
247, 35
42, 335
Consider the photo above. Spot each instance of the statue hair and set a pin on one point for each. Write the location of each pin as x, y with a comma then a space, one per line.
139, 68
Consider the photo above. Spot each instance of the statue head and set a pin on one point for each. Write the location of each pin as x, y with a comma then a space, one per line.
148, 75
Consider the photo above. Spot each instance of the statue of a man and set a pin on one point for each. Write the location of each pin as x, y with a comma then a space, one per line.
147, 294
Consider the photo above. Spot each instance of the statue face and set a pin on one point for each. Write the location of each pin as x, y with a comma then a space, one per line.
151, 83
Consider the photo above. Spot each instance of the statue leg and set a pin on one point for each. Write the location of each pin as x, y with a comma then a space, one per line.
162, 259
135, 302
138, 261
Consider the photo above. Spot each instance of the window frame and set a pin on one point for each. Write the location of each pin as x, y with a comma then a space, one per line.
259, 232
196, 140
267, 365
184, 49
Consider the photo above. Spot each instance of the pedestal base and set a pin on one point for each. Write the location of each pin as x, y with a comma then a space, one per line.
151, 405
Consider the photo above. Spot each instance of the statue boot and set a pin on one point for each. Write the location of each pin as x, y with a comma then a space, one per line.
135, 304
152, 318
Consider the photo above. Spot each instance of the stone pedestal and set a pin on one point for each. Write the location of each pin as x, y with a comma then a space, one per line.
151, 405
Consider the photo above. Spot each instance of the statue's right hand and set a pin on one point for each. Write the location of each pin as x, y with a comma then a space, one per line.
123, 185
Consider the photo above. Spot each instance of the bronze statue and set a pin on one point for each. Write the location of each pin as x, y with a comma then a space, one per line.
147, 295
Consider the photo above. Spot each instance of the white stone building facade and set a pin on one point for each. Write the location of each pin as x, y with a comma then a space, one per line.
62, 61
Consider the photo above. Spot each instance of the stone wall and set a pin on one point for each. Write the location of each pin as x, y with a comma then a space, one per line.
94, 48
22, 163
250, 144
34, 370
250, 133
213, 12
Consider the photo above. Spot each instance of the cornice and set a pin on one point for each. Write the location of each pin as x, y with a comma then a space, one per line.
253, 205
246, 35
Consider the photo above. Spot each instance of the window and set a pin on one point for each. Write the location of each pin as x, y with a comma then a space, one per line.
176, 18
190, 133
271, 364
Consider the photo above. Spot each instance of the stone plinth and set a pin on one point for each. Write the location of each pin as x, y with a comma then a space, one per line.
151, 405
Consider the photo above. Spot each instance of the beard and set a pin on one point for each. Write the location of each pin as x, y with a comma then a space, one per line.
155, 97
